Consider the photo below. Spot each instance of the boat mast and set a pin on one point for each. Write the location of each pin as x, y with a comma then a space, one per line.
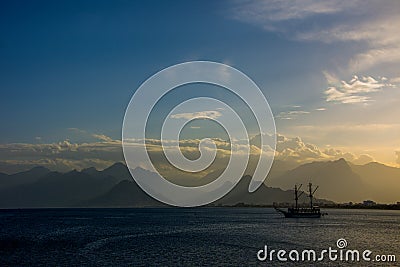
311, 193
296, 194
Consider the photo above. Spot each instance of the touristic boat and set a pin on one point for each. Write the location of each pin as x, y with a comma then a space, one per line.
302, 212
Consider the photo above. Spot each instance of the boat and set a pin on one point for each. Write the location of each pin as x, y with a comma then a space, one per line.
302, 212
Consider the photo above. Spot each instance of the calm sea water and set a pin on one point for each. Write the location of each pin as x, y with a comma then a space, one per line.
189, 237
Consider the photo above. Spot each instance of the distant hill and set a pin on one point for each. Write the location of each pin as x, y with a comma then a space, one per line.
112, 187
339, 181
382, 182
336, 179
125, 194
39, 187
20, 178
56, 190
342, 181
262, 196
128, 194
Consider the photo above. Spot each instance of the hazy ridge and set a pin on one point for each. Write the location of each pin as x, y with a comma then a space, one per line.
339, 181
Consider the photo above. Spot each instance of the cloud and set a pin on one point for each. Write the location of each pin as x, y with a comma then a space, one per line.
320, 109
294, 149
224, 72
102, 137
58, 164
269, 13
357, 90
65, 156
395, 80
363, 159
297, 112
289, 115
213, 114
372, 24
61, 156
375, 56
359, 160
398, 157
82, 136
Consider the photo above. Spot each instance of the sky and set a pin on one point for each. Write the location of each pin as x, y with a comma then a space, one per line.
68, 69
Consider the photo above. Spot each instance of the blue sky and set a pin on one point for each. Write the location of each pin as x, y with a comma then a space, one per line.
77, 64
69, 68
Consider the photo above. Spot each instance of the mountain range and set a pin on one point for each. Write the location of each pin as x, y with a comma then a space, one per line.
342, 181
339, 181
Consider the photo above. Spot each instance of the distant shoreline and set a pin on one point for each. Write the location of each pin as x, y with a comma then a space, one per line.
239, 205
327, 206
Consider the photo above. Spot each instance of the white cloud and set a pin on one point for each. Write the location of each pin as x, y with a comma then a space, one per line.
102, 137
61, 156
292, 114
294, 149
213, 114
297, 112
357, 90
82, 136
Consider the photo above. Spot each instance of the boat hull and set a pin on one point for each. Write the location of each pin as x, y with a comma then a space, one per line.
299, 214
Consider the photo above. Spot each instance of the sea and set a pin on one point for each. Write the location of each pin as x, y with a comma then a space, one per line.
194, 237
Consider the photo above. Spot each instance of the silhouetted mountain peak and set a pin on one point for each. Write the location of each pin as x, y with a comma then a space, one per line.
245, 181
35, 171
341, 163
118, 166
339, 180
375, 164
141, 170
117, 170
